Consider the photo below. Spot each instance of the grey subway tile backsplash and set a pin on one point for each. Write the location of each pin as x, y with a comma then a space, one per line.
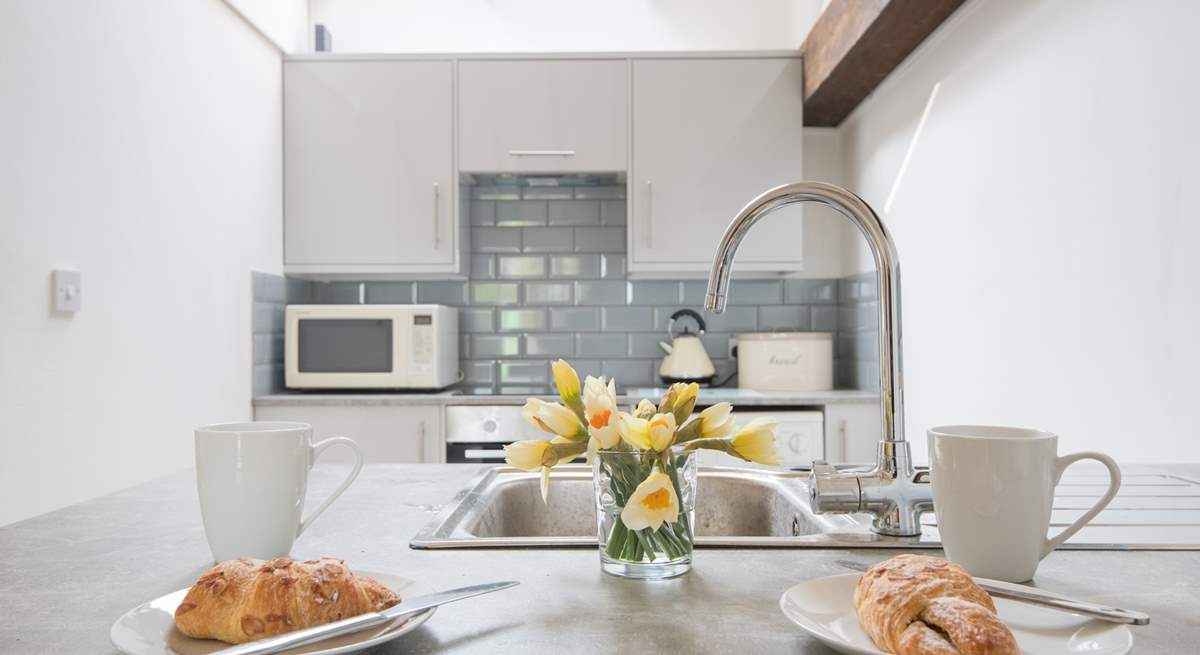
547, 239
577, 212
810, 291
576, 266
600, 292
600, 239
785, 317
495, 345
520, 213
612, 212
574, 319
521, 320
476, 320
495, 293
483, 212
483, 267
755, 292
442, 292
548, 293
521, 267
389, 293
495, 239
654, 292
548, 279
550, 345
627, 319
600, 345
599, 192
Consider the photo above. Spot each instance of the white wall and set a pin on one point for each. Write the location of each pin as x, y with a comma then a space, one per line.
141, 147
1047, 222
564, 25
283, 22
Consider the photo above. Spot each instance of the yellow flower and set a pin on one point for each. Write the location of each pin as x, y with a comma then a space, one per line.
755, 442
553, 418
653, 502
635, 431
644, 409
685, 401
717, 421
662, 431
566, 379
526, 455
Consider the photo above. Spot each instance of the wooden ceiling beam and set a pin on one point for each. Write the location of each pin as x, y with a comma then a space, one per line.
855, 45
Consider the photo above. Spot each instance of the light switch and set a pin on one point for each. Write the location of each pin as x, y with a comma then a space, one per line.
68, 291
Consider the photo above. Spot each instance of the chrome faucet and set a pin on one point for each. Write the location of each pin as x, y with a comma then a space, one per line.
893, 491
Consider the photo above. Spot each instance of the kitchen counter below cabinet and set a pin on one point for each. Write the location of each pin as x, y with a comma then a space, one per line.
386, 434
739, 398
140, 543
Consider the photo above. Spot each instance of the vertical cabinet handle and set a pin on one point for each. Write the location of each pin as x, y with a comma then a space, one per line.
437, 235
421, 440
649, 214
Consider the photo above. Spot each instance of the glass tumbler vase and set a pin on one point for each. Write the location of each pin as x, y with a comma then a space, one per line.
647, 484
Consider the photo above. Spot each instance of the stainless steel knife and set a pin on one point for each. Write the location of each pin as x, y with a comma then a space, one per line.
362, 621
1035, 597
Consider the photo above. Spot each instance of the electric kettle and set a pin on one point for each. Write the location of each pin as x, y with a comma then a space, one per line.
686, 359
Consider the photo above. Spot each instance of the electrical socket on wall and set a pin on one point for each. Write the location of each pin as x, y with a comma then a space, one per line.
731, 350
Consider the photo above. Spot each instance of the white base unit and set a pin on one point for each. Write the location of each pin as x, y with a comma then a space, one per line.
386, 434
800, 437
852, 431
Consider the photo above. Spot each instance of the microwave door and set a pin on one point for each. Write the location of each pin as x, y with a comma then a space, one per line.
346, 346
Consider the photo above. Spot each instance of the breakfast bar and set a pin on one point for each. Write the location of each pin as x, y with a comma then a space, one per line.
68, 575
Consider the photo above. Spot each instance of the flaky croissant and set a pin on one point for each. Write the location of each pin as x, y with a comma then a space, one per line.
246, 599
920, 605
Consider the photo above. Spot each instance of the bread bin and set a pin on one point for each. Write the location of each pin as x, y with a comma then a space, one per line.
785, 361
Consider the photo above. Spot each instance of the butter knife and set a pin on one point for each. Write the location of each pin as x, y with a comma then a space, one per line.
1035, 597
362, 621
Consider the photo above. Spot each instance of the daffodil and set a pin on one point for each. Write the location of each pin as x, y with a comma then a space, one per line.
554, 418
644, 409
662, 431
635, 431
685, 401
526, 455
717, 421
600, 408
567, 382
755, 442
653, 502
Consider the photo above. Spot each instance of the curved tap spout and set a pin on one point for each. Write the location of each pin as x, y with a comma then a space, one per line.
891, 490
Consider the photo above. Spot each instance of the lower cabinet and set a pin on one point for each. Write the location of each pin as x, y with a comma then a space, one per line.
385, 434
852, 432
798, 436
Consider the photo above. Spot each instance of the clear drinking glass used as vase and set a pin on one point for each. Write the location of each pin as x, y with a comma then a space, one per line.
653, 554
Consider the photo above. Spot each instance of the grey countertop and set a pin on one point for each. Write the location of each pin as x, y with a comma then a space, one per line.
740, 397
67, 575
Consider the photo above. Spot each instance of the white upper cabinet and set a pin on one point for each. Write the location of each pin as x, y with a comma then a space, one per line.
569, 115
709, 135
368, 167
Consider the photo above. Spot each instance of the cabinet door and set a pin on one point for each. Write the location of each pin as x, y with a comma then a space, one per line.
799, 436
385, 434
852, 431
543, 115
368, 174
709, 135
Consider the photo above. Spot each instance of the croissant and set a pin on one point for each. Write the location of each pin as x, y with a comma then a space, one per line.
246, 599
919, 605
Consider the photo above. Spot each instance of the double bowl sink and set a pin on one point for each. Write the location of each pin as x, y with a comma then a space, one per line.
503, 507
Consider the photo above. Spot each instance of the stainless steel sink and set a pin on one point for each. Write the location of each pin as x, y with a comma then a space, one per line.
757, 508
734, 507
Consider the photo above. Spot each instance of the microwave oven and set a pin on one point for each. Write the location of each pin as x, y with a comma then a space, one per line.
370, 346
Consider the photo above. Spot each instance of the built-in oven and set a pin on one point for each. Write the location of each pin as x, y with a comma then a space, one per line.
477, 434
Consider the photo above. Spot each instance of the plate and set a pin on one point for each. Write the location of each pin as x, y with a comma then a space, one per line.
149, 629
824, 608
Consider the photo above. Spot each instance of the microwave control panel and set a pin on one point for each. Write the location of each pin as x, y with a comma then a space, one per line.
422, 343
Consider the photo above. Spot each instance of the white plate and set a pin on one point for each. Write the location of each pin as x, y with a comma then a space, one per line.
824, 608
149, 629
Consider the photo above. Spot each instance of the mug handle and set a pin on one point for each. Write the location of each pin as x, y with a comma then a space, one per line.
317, 449
1114, 483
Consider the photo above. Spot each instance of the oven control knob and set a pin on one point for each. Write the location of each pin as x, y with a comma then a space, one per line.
490, 425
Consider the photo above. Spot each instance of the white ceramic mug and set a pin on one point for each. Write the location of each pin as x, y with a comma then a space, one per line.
993, 490
252, 479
